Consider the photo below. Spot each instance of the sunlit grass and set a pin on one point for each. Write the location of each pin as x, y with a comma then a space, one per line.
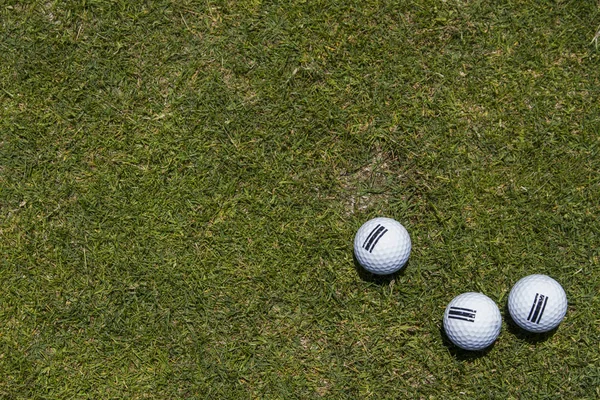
180, 185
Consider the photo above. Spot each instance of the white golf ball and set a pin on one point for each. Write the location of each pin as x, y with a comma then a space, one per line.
382, 246
537, 303
472, 321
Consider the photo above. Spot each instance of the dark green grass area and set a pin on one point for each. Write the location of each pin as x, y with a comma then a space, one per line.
181, 182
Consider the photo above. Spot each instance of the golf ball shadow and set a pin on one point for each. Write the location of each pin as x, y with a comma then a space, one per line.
462, 354
522, 334
374, 278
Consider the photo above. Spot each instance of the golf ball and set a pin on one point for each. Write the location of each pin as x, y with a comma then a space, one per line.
537, 303
382, 246
472, 321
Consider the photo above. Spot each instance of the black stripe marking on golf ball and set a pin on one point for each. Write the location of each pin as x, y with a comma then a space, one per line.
532, 306
369, 237
464, 314
374, 237
543, 308
377, 239
537, 308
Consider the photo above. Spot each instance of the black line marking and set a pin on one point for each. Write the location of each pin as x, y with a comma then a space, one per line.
465, 314
461, 318
542, 312
532, 307
538, 307
367, 240
374, 237
463, 309
461, 313
377, 240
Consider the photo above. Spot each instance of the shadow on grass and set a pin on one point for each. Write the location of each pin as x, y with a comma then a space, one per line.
522, 334
382, 280
461, 354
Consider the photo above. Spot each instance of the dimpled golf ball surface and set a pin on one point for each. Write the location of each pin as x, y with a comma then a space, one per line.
537, 303
382, 246
472, 321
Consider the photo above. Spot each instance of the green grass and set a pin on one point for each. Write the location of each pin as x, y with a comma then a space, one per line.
180, 185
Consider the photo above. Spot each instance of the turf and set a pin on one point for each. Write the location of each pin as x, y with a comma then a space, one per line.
181, 181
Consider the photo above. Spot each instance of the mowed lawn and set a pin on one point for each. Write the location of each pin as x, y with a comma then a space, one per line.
181, 182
